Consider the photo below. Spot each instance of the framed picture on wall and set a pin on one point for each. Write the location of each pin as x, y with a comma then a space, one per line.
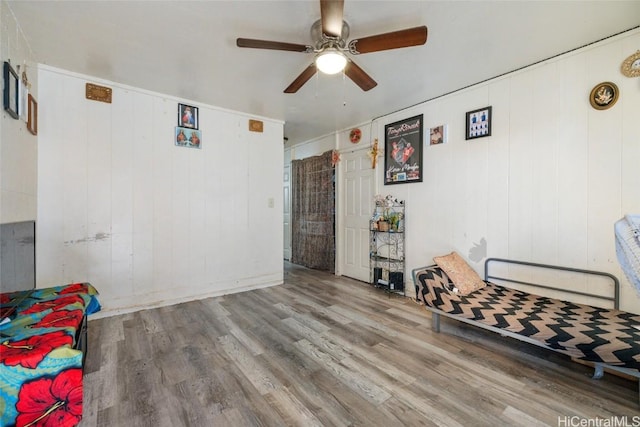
10, 90
604, 95
32, 115
478, 123
186, 137
438, 135
403, 151
187, 116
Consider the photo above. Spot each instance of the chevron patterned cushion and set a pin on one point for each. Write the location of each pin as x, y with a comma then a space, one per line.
465, 279
587, 333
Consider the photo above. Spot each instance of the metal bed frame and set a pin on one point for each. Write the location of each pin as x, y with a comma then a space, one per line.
599, 367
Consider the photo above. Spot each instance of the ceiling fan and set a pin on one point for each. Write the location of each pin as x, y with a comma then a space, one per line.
329, 35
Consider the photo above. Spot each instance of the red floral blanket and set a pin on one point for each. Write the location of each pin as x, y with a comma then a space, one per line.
40, 367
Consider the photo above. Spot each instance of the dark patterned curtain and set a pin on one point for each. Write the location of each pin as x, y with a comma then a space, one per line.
313, 212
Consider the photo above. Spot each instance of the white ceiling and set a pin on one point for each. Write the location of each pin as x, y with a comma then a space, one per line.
187, 49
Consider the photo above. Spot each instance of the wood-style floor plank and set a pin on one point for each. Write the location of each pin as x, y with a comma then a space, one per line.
322, 350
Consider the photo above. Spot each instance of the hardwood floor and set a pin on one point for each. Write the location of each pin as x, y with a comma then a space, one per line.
327, 350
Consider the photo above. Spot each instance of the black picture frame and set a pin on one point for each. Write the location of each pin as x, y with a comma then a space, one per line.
478, 123
403, 146
187, 116
10, 90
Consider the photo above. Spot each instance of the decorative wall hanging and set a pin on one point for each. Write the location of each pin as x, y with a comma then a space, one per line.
438, 135
10, 90
313, 212
374, 154
603, 95
403, 151
478, 123
98, 93
335, 158
256, 126
186, 137
355, 135
187, 116
631, 66
32, 115
25, 86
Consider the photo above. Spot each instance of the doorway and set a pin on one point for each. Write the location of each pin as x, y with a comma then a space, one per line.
313, 212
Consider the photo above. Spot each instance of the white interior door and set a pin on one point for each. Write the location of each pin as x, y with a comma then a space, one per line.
358, 186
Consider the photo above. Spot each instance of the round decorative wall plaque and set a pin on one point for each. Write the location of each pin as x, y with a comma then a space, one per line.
603, 95
631, 66
355, 135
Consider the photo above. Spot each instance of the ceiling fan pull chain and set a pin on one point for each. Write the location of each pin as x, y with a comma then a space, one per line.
344, 97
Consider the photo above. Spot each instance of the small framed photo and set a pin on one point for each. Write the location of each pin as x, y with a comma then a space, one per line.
187, 116
478, 123
603, 95
438, 135
10, 90
186, 137
32, 115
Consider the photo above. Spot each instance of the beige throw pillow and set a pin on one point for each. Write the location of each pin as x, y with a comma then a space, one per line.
464, 278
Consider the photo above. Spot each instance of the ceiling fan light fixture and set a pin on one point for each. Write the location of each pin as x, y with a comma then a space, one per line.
331, 61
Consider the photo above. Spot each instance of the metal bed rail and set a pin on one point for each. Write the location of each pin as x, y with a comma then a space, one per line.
616, 283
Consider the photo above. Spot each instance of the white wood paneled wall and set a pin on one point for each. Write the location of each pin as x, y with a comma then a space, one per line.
146, 222
549, 183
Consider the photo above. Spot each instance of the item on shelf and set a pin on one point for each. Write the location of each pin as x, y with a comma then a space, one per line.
396, 279
377, 274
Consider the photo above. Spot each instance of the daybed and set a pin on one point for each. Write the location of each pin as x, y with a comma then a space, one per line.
42, 349
608, 338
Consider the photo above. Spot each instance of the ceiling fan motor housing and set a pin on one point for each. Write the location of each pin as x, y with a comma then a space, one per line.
322, 41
